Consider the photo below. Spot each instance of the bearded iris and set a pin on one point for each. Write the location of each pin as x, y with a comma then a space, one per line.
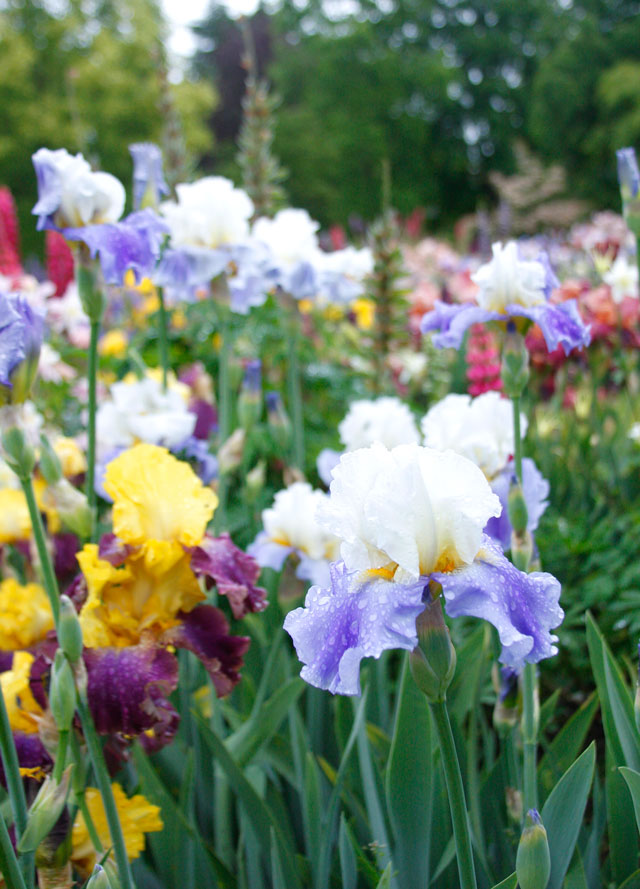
406, 517
511, 288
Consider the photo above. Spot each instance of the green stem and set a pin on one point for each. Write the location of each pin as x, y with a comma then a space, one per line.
91, 426
529, 717
80, 794
224, 410
61, 755
46, 566
529, 737
455, 790
8, 861
294, 385
163, 338
14, 785
517, 438
106, 792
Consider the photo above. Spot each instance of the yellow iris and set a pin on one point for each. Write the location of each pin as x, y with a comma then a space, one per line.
25, 615
22, 708
71, 457
158, 498
114, 344
137, 599
15, 523
365, 311
137, 816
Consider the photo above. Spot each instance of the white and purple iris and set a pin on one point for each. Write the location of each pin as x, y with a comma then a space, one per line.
405, 517
21, 330
481, 429
85, 206
291, 529
511, 288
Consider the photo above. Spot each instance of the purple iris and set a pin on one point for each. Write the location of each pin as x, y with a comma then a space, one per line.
21, 330
133, 244
535, 490
184, 270
234, 572
354, 618
148, 177
561, 324
628, 175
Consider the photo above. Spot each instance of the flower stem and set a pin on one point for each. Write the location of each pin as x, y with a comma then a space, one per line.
455, 790
16, 790
294, 385
61, 755
163, 338
8, 861
529, 720
92, 376
46, 566
106, 792
224, 409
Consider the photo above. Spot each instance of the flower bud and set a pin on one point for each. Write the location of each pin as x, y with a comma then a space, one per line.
255, 481
515, 363
49, 462
433, 660
71, 505
45, 811
518, 515
250, 399
69, 630
98, 879
279, 423
62, 692
507, 707
231, 453
91, 295
19, 455
533, 862
521, 550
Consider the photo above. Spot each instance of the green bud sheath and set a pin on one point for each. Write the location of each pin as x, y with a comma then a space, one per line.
433, 661
533, 862
19, 455
62, 692
69, 630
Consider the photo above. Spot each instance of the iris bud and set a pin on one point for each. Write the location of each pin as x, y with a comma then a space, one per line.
19, 455
515, 363
255, 480
250, 399
518, 515
279, 423
98, 879
45, 811
521, 550
231, 453
69, 630
433, 660
62, 692
507, 708
50, 465
533, 862
91, 297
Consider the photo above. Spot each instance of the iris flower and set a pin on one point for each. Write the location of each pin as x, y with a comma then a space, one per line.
408, 517
511, 288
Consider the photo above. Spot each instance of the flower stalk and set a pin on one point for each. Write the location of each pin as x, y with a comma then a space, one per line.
163, 338
8, 861
455, 791
294, 386
18, 803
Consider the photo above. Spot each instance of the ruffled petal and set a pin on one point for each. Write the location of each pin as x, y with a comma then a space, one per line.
267, 553
234, 572
561, 324
352, 619
205, 632
128, 690
522, 607
453, 321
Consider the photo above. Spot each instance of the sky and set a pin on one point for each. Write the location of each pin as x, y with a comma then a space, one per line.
182, 13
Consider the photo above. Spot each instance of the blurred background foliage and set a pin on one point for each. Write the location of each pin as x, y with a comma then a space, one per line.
442, 89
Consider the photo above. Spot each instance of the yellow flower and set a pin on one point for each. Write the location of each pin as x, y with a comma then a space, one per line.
139, 598
305, 306
22, 708
137, 816
71, 457
114, 344
15, 523
158, 498
333, 313
25, 615
178, 319
365, 311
